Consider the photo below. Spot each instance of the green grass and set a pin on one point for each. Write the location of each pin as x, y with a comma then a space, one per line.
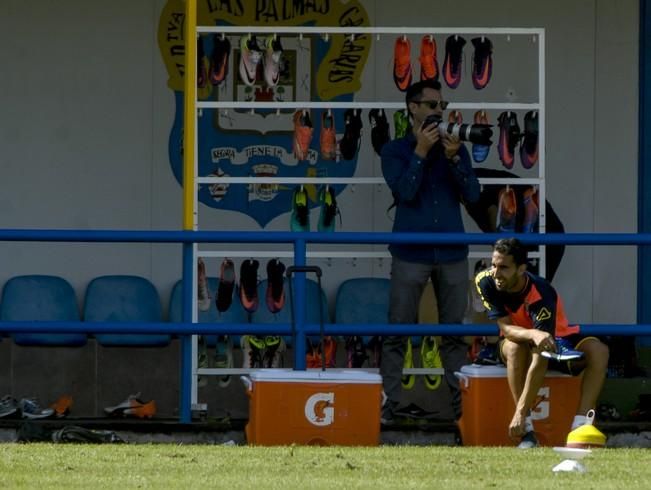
201, 466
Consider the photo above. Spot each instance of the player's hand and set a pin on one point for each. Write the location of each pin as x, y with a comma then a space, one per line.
451, 144
543, 341
426, 137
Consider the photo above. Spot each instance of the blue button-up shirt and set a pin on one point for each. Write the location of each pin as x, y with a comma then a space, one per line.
428, 194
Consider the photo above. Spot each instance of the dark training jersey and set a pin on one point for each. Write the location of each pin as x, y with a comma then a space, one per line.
536, 306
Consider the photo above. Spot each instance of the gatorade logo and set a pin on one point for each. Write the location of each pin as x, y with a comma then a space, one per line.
320, 410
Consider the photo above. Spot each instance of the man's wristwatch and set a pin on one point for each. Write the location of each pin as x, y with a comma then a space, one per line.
455, 159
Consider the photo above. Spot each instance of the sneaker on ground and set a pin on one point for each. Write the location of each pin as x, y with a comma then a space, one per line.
529, 146
402, 72
482, 62
249, 285
221, 51
509, 137
408, 380
224, 358
453, 59
226, 285
349, 144
328, 136
506, 211
250, 56
203, 294
387, 417
430, 358
275, 294
252, 351
273, 52
528, 441
300, 217
30, 409
8, 406
380, 136
62, 406
273, 352
132, 406
303, 130
429, 65
564, 351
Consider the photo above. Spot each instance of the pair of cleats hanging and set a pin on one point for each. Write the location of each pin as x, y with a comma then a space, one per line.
429, 357
510, 137
507, 211
300, 215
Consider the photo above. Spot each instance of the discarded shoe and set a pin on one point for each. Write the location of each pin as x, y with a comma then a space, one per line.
402, 72
506, 211
349, 144
226, 285
453, 59
377, 118
509, 137
273, 52
62, 406
303, 130
250, 56
328, 136
429, 66
528, 441
430, 358
529, 146
221, 51
249, 285
480, 152
482, 62
275, 294
300, 216
8, 406
132, 406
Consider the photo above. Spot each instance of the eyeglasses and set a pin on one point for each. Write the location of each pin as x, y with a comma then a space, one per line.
433, 104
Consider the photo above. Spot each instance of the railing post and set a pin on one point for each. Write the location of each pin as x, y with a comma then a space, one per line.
300, 253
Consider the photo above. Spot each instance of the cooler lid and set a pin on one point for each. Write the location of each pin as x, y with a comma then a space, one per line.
316, 376
479, 371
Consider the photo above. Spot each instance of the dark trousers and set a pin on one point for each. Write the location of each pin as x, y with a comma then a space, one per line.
408, 280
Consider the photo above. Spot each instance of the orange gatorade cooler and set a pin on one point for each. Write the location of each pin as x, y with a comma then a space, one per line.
314, 407
488, 407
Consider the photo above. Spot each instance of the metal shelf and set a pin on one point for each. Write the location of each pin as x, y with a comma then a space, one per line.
345, 180
354, 30
298, 104
351, 254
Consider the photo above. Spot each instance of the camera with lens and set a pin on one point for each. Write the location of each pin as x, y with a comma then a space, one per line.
479, 134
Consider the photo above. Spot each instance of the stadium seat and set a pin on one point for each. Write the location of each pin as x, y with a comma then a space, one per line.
41, 298
263, 315
363, 300
235, 314
124, 299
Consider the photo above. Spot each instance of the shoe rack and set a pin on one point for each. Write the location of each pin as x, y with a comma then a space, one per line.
537, 34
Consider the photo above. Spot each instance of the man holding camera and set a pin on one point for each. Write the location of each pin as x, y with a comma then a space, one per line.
429, 175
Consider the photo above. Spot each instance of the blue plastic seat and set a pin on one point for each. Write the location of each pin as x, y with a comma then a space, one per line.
263, 315
41, 298
124, 299
363, 300
234, 314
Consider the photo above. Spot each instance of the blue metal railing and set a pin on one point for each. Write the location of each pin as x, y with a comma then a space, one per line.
299, 241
